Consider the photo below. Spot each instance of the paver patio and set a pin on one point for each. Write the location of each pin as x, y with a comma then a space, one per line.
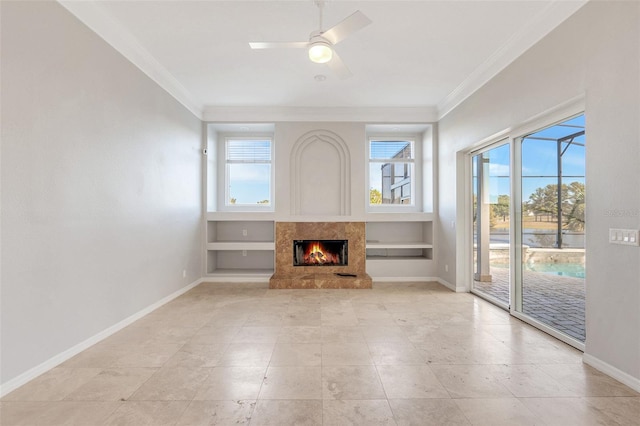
555, 300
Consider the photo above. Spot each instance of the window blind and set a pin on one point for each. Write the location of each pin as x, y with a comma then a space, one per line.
248, 151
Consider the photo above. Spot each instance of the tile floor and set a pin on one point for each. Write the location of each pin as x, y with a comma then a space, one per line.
400, 354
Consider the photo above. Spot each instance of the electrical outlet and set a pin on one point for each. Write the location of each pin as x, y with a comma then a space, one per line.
244, 232
244, 253
184, 273
446, 268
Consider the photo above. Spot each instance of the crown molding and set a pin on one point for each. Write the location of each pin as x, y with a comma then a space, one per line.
529, 34
317, 114
99, 21
94, 16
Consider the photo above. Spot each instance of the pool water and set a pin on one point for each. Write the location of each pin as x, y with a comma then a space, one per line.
574, 270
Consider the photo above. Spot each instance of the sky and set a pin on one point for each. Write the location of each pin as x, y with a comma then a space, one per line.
249, 174
539, 164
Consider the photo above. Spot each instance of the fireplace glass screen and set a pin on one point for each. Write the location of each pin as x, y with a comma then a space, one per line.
320, 252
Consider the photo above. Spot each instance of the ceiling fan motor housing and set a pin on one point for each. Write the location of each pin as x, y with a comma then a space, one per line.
320, 49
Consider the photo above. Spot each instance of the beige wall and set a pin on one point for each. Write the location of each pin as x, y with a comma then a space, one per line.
101, 187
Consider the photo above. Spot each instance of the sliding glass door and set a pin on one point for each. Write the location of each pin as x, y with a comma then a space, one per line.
528, 209
491, 207
550, 278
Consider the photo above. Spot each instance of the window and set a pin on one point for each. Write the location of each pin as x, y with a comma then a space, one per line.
391, 171
248, 172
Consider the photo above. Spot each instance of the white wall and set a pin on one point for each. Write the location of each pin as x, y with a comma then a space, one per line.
595, 54
101, 187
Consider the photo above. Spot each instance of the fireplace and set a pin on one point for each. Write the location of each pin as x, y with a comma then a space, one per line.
320, 253
343, 241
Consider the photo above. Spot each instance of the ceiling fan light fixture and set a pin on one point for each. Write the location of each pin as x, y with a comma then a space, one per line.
320, 52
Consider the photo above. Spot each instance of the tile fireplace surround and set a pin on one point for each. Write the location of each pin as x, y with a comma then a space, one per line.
288, 276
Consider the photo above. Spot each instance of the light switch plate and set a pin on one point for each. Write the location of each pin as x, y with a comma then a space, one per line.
626, 237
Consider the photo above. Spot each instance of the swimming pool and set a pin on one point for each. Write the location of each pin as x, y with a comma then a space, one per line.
575, 270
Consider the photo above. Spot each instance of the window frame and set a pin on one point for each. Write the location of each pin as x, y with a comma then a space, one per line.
416, 171
223, 173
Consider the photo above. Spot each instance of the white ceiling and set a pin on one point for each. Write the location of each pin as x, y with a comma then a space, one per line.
415, 54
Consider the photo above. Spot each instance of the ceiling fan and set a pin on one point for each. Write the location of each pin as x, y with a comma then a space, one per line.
321, 42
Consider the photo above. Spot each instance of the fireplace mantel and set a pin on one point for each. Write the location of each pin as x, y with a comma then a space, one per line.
289, 276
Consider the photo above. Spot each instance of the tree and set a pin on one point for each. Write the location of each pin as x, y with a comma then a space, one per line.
574, 213
375, 197
263, 202
501, 209
232, 200
544, 201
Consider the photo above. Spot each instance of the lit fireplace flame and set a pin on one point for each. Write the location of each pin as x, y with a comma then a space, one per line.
316, 255
319, 252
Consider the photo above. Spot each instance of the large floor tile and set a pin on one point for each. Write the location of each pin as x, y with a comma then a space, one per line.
194, 355
257, 334
172, 384
360, 412
152, 355
300, 334
351, 382
287, 412
247, 355
59, 413
622, 410
470, 381
114, 384
395, 353
211, 335
566, 412
296, 355
210, 413
529, 381
346, 354
292, 383
427, 412
341, 334
54, 385
497, 412
232, 383
147, 413
22, 413
587, 381
410, 381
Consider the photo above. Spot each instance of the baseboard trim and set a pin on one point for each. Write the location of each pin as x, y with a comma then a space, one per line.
235, 279
447, 284
402, 279
56, 360
610, 370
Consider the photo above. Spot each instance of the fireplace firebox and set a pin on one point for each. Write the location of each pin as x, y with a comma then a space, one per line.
320, 253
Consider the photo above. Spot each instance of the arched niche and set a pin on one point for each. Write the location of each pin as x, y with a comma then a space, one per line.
320, 175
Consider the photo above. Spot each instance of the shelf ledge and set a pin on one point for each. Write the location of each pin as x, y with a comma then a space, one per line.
371, 245
242, 245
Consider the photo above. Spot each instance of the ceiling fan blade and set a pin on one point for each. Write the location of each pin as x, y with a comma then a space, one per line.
279, 45
345, 28
338, 67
